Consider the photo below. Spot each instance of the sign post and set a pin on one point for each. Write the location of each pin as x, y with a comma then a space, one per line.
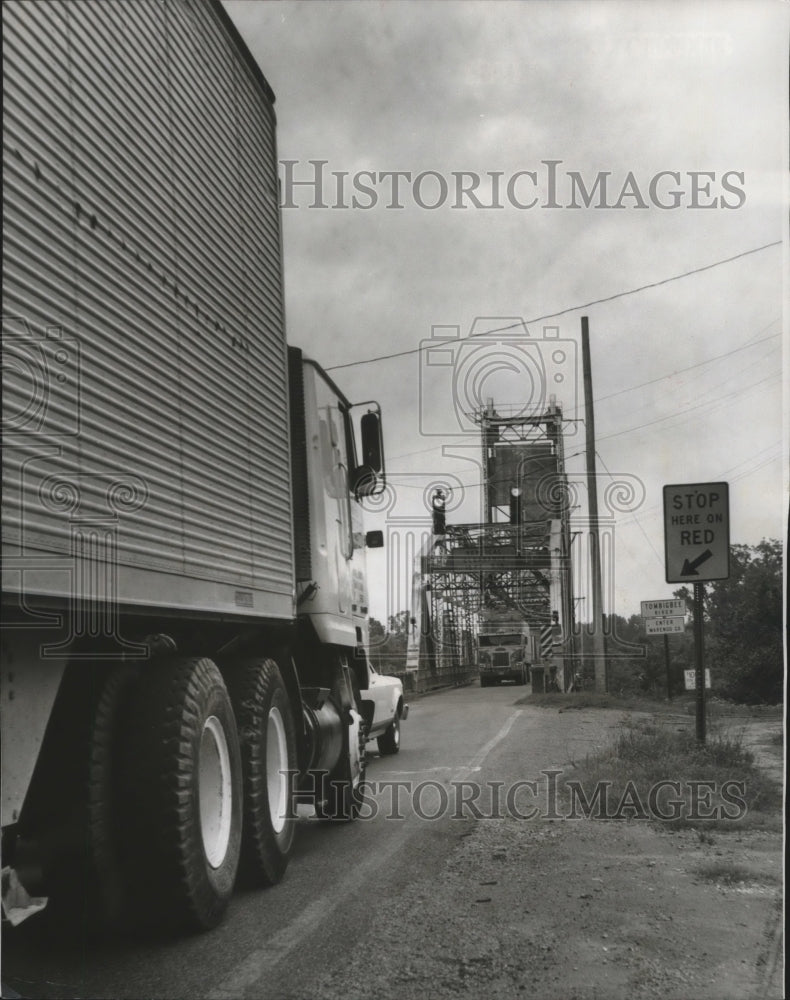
666, 667
697, 549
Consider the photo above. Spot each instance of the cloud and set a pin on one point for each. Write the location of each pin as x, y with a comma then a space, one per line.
615, 88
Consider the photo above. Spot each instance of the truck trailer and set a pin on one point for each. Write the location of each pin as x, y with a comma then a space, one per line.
185, 630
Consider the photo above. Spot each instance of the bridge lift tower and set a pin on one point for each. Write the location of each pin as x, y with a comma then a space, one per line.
516, 560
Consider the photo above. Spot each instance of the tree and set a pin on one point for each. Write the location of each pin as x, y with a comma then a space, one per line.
376, 631
388, 646
647, 674
399, 627
743, 624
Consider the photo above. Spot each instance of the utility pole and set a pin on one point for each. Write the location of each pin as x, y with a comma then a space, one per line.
599, 655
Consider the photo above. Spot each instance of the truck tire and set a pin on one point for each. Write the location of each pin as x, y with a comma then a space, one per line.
106, 885
89, 892
389, 742
341, 789
267, 739
485, 682
184, 816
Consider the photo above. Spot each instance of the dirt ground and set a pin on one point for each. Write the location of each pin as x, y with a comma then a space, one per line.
584, 909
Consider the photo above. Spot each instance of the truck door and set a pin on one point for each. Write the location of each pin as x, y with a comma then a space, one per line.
334, 464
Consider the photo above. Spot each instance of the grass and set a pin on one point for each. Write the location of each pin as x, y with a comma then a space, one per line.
729, 873
646, 754
682, 704
590, 699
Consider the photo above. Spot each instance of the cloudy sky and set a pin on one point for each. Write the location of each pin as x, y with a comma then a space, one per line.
668, 119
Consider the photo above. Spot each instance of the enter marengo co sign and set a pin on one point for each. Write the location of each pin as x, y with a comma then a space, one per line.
664, 626
697, 532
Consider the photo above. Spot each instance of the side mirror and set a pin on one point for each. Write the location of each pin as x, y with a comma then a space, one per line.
372, 445
374, 539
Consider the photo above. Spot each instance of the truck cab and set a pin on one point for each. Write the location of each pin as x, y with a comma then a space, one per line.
329, 482
506, 649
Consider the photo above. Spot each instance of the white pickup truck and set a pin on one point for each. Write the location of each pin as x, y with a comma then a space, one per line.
389, 711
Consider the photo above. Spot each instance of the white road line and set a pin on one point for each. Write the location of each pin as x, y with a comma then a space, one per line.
483, 752
426, 770
258, 963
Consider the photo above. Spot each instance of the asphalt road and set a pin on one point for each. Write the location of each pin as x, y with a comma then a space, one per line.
280, 942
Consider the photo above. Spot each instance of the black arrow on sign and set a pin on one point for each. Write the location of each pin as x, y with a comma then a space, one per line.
690, 568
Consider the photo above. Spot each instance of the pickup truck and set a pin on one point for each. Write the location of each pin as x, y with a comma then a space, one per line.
389, 710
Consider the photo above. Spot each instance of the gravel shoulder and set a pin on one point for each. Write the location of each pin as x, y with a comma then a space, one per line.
583, 909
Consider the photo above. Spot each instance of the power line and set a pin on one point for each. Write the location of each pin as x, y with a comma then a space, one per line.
721, 475
570, 309
636, 519
680, 371
683, 414
688, 409
699, 364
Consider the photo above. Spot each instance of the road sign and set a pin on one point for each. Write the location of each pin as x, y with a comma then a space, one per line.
670, 607
690, 677
697, 532
664, 626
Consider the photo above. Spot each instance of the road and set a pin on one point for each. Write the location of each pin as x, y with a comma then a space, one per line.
283, 942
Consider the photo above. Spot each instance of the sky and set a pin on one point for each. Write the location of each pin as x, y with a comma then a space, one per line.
621, 161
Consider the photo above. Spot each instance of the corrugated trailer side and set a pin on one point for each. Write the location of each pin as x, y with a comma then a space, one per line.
145, 375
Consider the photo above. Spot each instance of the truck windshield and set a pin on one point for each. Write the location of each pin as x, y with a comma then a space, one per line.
500, 640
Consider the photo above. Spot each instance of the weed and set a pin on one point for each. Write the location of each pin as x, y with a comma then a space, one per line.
728, 873
646, 756
725, 872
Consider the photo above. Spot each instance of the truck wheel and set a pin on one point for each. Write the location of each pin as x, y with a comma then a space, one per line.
341, 789
268, 758
484, 682
183, 769
389, 742
106, 888
89, 888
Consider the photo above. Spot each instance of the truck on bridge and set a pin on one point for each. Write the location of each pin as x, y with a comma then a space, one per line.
184, 594
507, 648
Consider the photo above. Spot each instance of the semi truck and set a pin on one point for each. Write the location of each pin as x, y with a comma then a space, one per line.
507, 648
184, 597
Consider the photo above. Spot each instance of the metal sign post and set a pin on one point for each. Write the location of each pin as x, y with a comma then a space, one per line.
666, 667
697, 549
699, 659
